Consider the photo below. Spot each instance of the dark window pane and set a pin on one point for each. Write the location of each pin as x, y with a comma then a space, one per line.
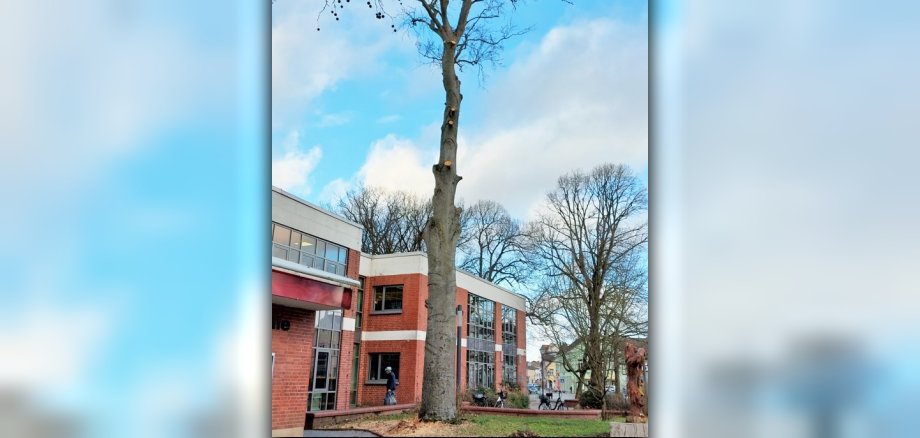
394, 296
373, 367
322, 363
293, 256
330, 267
279, 252
340, 269
378, 299
295, 240
343, 255
306, 260
318, 263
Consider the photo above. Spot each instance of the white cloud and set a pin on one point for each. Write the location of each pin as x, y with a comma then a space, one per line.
292, 171
334, 190
307, 62
554, 111
398, 164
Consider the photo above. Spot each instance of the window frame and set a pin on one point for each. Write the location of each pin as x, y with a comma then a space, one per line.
313, 256
383, 300
380, 367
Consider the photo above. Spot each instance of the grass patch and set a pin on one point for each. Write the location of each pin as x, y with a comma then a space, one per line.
501, 425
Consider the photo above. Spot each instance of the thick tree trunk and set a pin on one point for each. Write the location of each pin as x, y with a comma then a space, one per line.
439, 386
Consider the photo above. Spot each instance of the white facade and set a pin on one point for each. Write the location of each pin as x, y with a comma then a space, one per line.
293, 212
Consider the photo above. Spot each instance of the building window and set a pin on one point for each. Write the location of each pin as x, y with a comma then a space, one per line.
355, 358
324, 379
480, 368
359, 311
480, 331
481, 319
388, 299
378, 362
509, 344
307, 250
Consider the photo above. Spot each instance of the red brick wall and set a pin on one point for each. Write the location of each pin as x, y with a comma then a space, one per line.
411, 367
293, 363
413, 316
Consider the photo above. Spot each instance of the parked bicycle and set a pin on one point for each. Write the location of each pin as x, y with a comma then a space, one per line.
547, 402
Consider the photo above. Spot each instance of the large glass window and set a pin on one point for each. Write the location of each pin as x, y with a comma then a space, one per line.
509, 344
326, 346
481, 320
480, 331
388, 299
378, 362
307, 250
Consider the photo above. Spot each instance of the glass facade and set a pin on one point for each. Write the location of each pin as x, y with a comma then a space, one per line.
326, 347
509, 344
480, 332
307, 250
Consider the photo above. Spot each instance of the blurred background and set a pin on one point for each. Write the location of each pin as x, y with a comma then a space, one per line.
134, 150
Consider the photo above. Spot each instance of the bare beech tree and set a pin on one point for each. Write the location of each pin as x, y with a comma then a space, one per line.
590, 242
493, 245
393, 221
452, 34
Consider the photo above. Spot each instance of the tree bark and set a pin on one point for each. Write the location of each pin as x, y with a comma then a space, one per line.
439, 386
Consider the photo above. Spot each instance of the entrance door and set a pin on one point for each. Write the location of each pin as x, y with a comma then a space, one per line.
325, 375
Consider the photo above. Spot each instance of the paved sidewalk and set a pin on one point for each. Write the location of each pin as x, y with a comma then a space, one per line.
338, 432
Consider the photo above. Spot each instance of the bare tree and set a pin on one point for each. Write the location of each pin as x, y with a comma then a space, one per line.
492, 244
453, 34
393, 221
591, 243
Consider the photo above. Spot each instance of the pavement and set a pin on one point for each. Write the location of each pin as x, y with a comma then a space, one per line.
338, 432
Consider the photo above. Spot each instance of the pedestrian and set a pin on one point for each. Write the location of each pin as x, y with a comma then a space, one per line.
390, 398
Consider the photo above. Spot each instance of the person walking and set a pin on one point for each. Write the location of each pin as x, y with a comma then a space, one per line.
390, 398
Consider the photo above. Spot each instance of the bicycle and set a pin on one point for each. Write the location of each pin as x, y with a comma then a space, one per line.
500, 401
546, 402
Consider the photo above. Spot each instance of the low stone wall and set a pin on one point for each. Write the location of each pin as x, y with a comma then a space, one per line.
325, 418
584, 414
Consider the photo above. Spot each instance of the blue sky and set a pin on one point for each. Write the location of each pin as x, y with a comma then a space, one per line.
354, 104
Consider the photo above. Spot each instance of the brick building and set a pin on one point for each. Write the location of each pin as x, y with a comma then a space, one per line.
340, 317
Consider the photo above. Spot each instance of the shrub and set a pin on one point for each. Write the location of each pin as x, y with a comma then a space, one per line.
617, 402
523, 433
591, 399
489, 393
511, 386
518, 399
